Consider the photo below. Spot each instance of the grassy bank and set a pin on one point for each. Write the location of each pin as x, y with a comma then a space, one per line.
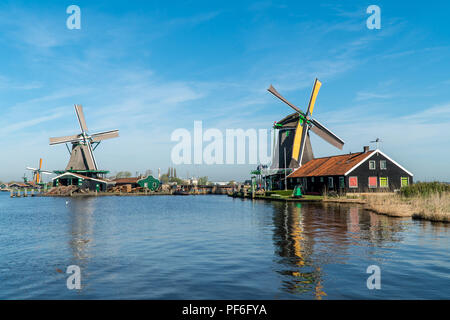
430, 201
287, 194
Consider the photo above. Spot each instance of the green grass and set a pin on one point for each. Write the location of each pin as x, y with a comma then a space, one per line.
313, 197
288, 194
283, 193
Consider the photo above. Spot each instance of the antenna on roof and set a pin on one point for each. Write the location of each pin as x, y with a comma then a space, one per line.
377, 141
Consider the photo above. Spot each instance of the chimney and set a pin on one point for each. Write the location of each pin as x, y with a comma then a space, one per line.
366, 149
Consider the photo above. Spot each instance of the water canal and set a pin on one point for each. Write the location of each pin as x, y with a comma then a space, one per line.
215, 247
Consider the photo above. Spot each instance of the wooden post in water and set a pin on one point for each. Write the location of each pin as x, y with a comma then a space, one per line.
25, 192
253, 188
12, 193
18, 193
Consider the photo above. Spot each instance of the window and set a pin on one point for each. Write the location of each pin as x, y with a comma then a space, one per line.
321, 179
330, 182
373, 182
312, 179
404, 181
372, 165
341, 182
353, 182
384, 182
383, 164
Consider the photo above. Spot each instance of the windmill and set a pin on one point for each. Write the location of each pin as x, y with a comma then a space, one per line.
377, 141
83, 145
38, 172
295, 150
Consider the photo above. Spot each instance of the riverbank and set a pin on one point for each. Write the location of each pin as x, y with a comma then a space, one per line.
433, 207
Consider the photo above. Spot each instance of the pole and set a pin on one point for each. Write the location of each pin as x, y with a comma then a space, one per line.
285, 181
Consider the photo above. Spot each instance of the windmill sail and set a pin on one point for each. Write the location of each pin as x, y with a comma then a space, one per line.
65, 139
294, 142
38, 172
326, 134
105, 135
82, 155
81, 118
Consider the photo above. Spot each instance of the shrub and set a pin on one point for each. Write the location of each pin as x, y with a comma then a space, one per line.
425, 189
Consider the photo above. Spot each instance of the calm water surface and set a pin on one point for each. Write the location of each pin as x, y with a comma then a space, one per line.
215, 247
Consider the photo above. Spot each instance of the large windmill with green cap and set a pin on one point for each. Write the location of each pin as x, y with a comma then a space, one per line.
293, 145
82, 158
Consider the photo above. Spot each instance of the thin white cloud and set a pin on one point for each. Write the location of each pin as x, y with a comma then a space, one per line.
360, 96
12, 128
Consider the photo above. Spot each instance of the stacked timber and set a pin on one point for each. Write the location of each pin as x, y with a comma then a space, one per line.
64, 190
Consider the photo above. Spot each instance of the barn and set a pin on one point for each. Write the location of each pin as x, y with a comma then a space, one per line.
82, 181
148, 182
366, 171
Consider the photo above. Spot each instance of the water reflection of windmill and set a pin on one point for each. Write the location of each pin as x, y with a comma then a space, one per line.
82, 163
293, 146
295, 247
38, 172
82, 220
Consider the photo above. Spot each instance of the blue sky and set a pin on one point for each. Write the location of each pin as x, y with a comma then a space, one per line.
148, 68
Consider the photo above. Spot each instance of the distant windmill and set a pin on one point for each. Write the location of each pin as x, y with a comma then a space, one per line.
377, 141
38, 172
298, 149
83, 145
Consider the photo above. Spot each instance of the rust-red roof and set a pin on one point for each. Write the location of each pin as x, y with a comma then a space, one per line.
330, 166
126, 180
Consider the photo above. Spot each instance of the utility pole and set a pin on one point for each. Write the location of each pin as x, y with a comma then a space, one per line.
285, 181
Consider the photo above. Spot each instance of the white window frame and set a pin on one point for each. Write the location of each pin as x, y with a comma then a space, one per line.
330, 185
387, 182
385, 164
312, 179
374, 165
368, 182
357, 182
